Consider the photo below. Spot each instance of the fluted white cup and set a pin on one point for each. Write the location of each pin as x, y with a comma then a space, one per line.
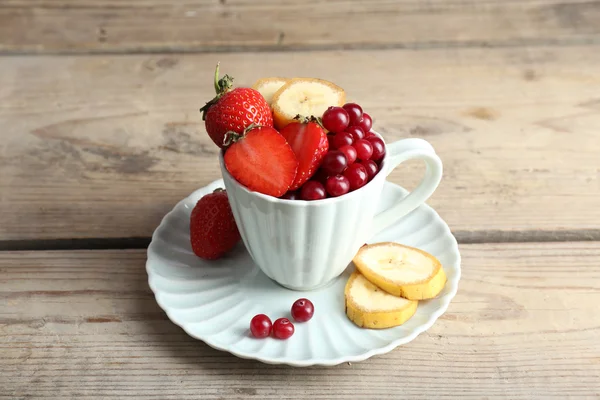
303, 245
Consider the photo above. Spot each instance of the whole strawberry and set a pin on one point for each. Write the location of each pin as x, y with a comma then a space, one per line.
234, 110
213, 231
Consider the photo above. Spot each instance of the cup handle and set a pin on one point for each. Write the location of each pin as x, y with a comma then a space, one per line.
398, 152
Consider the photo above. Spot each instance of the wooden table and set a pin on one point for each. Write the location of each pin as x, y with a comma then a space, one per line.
101, 136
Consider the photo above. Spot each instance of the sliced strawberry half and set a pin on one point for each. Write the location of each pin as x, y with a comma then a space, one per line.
309, 142
262, 160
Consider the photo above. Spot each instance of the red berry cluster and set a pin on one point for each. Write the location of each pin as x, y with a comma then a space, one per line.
261, 326
353, 158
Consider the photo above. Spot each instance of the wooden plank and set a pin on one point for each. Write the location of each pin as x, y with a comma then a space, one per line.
105, 146
79, 325
59, 26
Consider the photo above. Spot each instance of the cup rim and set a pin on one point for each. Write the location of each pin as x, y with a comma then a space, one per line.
329, 200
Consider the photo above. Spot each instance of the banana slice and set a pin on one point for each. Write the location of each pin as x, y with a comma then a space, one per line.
269, 86
370, 307
306, 97
401, 270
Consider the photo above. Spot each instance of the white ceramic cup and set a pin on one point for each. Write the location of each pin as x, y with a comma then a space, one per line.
303, 245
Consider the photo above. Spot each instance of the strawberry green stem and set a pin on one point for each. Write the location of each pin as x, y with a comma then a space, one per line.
222, 86
305, 120
217, 79
232, 137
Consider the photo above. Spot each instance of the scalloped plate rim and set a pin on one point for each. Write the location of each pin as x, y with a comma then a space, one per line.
316, 361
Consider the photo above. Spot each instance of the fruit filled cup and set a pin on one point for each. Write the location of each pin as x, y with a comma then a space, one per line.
304, 178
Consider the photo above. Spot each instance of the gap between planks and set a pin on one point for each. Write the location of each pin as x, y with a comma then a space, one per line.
462, 237
430, 45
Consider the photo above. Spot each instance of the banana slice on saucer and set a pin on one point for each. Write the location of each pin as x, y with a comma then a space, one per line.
370, 307
401, 270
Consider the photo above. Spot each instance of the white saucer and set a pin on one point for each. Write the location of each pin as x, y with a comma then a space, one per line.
215, 301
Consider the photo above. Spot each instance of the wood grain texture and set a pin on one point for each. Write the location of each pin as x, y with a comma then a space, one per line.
104, 146
83, 325
60, 26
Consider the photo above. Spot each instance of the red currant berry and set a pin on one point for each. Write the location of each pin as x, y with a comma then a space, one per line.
357, 176
354, 111
302, 310
334, 162
364, 149
320, 176
337, 185
356, 132
349, 152
371, 167
365, 122
378, 148
312, 190
283, 328
291, 195
335, 119
342, 139
260, 326
370, 134
330, 140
